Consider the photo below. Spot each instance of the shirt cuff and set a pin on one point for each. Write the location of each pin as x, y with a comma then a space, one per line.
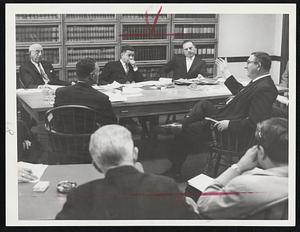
135, 68
226, 73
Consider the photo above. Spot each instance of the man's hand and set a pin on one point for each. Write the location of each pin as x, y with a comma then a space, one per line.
222, 125
223, 67
26, 144
192, 204
133, 64
25, 175
249, 160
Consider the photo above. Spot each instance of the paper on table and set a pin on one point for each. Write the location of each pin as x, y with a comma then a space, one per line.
115, 97
37, 169
201, 182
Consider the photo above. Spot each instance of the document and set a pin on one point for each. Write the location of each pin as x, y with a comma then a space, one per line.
37, 169
200, 182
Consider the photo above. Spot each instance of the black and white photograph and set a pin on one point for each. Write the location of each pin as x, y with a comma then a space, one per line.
150, 114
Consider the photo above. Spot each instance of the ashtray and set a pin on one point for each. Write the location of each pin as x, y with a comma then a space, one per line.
65, 186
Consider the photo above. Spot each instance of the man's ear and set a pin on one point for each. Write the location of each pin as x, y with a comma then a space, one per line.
135, 154
261, 152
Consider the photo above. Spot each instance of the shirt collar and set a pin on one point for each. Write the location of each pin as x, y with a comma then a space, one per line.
259, 77
190, 59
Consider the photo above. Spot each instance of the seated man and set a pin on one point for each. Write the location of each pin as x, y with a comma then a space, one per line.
187, 66
258, 179
250, 105
125, 192
82, 93
126, 71
37, 71
123, 70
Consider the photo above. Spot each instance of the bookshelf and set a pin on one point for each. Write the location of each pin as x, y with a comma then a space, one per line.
66, 38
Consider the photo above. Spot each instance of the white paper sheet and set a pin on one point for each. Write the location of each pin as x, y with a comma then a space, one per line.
200, 182
37, 169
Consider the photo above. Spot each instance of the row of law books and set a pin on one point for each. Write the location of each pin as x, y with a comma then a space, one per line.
49, 54
195, 16
37, 33
136, 32
71, 75
203, 31
143, 16
210, 70
90, 16
90, 32
203, 51
150, 52
37, 16
150, 73
102, 54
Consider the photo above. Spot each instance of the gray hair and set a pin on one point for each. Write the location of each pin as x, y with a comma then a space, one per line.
34, 47
111, 145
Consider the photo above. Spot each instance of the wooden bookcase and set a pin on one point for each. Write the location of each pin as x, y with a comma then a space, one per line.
69, 37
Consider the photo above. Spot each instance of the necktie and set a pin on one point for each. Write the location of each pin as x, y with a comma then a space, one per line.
42, 72
126, 68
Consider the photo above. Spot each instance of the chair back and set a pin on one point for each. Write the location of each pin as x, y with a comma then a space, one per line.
277, 210
19, 82
69, 128
225, 148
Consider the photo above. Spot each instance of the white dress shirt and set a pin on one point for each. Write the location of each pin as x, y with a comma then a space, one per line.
189, 62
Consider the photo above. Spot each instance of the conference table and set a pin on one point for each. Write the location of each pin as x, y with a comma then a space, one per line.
45, 205
149, 101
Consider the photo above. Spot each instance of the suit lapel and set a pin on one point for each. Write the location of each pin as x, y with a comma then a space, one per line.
34, 68
121, 68
194, 64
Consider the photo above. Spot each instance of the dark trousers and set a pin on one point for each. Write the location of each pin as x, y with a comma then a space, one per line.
194, 133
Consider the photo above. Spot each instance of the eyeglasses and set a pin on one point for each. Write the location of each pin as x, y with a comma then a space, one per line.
249, 62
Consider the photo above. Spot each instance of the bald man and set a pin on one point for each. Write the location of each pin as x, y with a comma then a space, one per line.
37, 71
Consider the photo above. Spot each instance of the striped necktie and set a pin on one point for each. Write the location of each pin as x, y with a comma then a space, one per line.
42, 72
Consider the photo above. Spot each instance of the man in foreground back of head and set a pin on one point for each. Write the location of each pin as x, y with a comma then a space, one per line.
259, 179
125, 192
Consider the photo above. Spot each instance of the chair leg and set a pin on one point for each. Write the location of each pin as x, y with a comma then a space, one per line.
217, 164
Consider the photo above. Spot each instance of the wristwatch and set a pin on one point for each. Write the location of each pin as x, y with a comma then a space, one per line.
236, 168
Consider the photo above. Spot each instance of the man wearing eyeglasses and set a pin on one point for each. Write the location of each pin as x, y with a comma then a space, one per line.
37, 71
251, 104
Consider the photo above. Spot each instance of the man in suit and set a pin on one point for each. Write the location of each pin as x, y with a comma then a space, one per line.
123, 71
82, 93
262, 172
187, 66
250, 105
125, 192
126, 71
37, 71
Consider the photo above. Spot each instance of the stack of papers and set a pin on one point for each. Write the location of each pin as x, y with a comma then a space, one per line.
37, 169
198, 81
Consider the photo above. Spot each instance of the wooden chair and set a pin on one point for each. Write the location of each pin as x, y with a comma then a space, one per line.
225, 148
277, 210
69, 128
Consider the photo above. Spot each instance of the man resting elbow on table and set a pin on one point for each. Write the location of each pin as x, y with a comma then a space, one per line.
259, 179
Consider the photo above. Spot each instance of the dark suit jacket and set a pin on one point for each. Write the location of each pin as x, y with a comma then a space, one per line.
251, 104
114, 71
83, 94
125, 193
178, 66
31, 77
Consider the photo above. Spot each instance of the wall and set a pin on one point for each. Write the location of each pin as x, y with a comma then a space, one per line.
239, 35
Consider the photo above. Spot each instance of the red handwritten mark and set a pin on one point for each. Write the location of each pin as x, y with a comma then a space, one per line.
152, 29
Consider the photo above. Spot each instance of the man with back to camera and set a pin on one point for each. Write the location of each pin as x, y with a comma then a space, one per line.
123, 71
82, 93
250, 105
38, 71
187, 65
125, 192
259, 179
